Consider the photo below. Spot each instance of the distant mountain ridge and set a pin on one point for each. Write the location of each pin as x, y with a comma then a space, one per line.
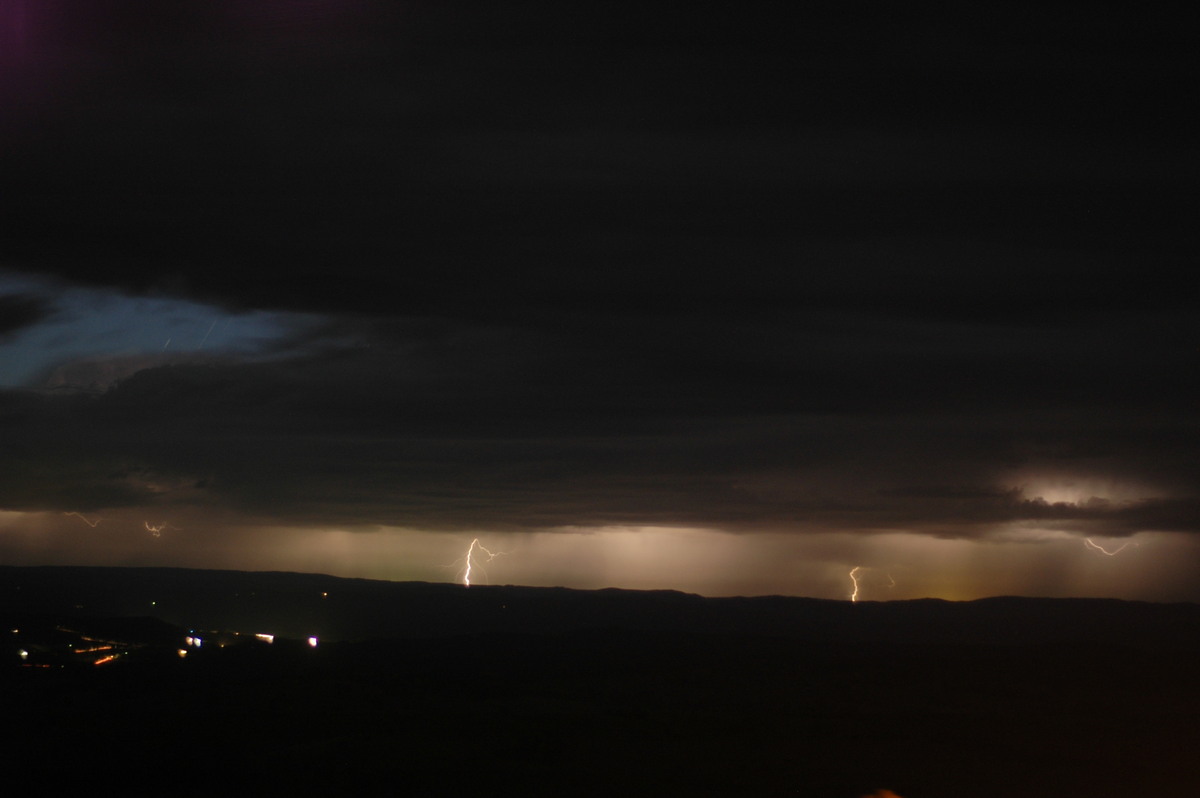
337, 608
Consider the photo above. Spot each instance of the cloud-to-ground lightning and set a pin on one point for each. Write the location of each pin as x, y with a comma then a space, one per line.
857, 574
85, 519
470, 553
1091, 545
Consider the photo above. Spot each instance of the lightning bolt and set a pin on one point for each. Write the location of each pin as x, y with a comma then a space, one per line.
470, 552
157, 529
205, 338
854, 578
84, 519
1088, 542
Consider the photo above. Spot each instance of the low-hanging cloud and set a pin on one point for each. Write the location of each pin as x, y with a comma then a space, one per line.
19, 311
388, 435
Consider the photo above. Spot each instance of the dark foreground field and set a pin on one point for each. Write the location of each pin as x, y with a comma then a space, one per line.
521, 691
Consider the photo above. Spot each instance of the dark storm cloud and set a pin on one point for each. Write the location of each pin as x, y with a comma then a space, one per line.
580, 265
18, 311
472, 161
367, 439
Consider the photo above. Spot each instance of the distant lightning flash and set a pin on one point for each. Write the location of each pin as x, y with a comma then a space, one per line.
205, 338
157, 529
858, 573
1088, 542
84, 519
471, 551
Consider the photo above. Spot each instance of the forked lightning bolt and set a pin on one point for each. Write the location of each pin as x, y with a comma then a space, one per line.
84, 519
157, 529
854, 578
470, 553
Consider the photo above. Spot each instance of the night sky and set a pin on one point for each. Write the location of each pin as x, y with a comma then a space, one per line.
712, 297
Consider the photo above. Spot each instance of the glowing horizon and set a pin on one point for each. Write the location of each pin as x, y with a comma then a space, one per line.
883, 567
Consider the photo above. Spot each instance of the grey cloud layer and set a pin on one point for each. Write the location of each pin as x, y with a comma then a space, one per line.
441, 437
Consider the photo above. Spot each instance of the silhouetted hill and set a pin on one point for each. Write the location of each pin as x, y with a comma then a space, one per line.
333, 608
425, 689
